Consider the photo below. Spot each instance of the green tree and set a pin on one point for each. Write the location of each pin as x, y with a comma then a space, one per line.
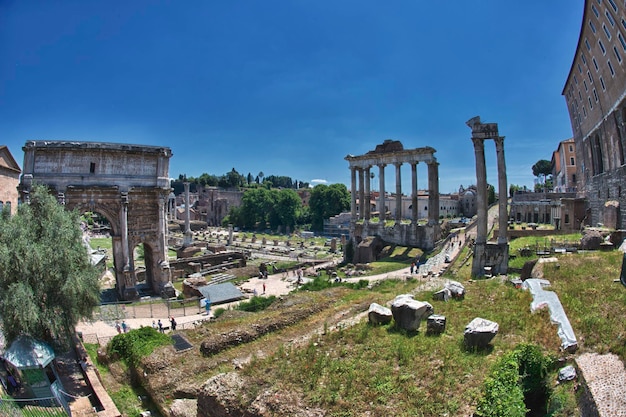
542, 169
288, 207
491, 194
327, 201
47, 283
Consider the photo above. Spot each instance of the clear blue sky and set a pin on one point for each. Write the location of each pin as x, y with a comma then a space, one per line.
291, 87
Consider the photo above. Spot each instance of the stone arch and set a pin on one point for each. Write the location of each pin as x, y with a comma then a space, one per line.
127, 184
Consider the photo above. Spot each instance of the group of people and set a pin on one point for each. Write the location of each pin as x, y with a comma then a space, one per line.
159, 325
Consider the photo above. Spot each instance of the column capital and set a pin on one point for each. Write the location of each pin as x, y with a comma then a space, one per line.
499, 140
381, 165
478, 142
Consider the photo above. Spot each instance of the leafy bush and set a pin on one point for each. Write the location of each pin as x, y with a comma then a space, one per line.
218, 312
256, 303
518, 381
137, 343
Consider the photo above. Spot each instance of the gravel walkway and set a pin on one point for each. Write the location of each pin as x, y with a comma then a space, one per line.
605, 378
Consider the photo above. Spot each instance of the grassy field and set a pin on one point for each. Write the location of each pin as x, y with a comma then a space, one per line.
380, 370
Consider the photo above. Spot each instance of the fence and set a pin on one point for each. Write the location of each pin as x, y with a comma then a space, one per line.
43, 407
148, 309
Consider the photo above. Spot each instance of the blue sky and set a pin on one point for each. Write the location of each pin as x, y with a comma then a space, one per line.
291, 87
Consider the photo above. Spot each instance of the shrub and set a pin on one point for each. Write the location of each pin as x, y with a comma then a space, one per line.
136, 344
256, 303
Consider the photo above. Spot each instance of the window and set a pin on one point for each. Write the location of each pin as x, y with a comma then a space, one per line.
602, 47
609, 17
587, 44
606, 31
584, 111
595, 11
571, 148
580, 96
575, 80
602, 82
585, 84
611, 68
622, 41
571, 161
617, 55
595, 63
590, 104
92, 168
624, 23
595, 95
592, 26
613, 5
566, 218
590, 78
582, 57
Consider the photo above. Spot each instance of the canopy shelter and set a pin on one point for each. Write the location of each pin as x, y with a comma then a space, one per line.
221, 293
32, 360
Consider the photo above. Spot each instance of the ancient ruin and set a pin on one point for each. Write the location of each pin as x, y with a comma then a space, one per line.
412, 234
127, 184
489, 258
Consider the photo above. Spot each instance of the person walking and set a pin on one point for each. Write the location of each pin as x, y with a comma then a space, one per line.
263, 288
173, 323
160, 326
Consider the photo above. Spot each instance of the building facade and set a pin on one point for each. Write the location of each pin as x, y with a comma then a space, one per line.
9, 180
595, 93
564, 167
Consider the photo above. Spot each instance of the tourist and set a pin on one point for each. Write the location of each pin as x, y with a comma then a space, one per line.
154, 325
173, 323
412, 267
160, 326
263, 288
118, 328
124, 326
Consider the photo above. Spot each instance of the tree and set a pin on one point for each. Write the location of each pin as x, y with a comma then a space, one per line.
491, 194
327, 201
542, 169
47, 283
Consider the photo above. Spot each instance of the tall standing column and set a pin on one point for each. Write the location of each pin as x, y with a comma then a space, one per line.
481, 190
353, 193
502, 191
188, 236
433, 193
414, 192
381, 198
398, 193
368, 195
361, 194
124, 231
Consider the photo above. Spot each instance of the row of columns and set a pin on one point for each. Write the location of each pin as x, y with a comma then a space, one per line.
364, 193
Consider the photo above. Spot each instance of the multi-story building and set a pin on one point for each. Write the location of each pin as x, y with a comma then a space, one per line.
595, 93
9, 180
564, 167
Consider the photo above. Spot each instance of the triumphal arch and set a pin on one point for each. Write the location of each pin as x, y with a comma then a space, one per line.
127, 184
412, 233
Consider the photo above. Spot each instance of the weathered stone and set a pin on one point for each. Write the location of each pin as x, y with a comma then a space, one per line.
435, 324
479, 332
567, 373
452, 289
591, 240
378, 314
408, 312
168, 290
184, 408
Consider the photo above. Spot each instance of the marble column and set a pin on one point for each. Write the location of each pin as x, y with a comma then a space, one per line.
433, 193
361, 194
481, 190
502, 191
381, 197
398, 193
368, 195
187, 240
414, 193
124, 231
353, 193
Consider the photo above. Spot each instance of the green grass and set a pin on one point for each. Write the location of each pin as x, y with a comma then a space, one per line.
535, 243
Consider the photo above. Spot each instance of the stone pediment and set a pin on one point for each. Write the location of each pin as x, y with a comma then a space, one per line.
7, 161
387, 146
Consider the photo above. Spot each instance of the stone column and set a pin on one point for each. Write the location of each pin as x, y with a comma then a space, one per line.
124, 231
163, 229
398, 193
353, 193
368, 195
502, 192
414, 193
481, 190
187, 235
433, 193
381, 197
361, 194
